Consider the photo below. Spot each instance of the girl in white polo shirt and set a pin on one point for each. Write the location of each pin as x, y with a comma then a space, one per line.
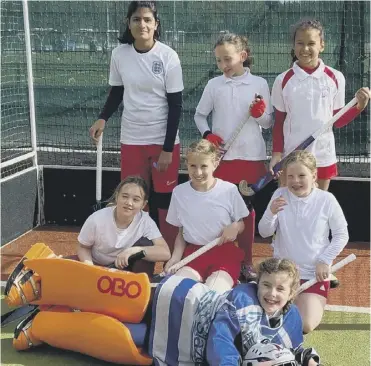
146, 76
110, 235
229, 98
204, 209
306, 96
301, 216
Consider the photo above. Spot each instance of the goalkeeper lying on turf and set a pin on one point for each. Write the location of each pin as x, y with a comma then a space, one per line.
253, 324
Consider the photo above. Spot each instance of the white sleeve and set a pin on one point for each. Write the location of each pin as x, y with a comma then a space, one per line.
239, 208
277, 96
339, 232
266, 119
268, 223
172, 214
87, 233
174, 75
151, 230
339, 100
114, 74
201, 122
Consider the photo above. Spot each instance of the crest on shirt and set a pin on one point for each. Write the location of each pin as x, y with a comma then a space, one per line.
325, 91
157, 67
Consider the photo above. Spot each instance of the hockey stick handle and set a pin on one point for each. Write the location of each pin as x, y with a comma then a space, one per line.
263, 181
350, 258
203, 249
224, 149
98, 185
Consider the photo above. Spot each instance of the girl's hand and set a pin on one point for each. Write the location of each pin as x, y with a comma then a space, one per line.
122, 260
164, 161
257, 107
277, 205
96, 129
214, 139
173, 260
323, 272
363, 96
276, 158
229, 233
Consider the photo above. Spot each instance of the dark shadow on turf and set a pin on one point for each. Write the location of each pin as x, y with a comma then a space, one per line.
344, 327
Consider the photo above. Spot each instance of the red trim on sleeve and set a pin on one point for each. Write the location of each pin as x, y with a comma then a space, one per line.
287, 77
330, 74
347, 117
278, 139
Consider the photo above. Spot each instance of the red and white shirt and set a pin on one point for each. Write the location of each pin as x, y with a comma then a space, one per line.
309, 100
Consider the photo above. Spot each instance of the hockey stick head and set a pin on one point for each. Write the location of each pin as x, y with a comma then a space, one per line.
245, 189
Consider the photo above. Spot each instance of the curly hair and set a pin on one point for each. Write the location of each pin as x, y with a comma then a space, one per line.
204, 147
276, 265
240, 42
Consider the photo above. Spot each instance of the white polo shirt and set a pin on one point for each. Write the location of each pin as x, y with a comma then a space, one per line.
229, 99
107, 241
309, 101
302, 229
147, 78
204, 215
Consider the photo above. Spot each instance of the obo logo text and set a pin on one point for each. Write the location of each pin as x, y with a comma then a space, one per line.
119, 287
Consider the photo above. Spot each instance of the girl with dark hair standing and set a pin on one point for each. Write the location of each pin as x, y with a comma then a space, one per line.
146, 76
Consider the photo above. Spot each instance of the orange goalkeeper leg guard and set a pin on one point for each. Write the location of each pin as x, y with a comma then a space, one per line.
23, 285
120, 294
96, 335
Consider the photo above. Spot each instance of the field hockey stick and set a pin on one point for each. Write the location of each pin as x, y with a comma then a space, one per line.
203, 249
98, 181
249, 190
225, 147
350, 258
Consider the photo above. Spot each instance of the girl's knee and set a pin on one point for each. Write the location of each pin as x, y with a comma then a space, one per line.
219, 281
188, 272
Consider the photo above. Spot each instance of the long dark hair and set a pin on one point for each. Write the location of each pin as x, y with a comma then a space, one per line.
127, 37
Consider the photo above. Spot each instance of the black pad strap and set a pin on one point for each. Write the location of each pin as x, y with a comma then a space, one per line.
13, 276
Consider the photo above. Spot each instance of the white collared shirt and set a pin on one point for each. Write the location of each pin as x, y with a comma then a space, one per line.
147, 78
229, 99
302, 229
309, 101
204, 215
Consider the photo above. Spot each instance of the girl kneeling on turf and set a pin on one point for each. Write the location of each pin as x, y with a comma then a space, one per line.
204, 209
301, 216
109, 235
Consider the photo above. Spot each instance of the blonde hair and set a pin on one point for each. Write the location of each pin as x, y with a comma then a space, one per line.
204, 147
276, 265
139, 181
303, 157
